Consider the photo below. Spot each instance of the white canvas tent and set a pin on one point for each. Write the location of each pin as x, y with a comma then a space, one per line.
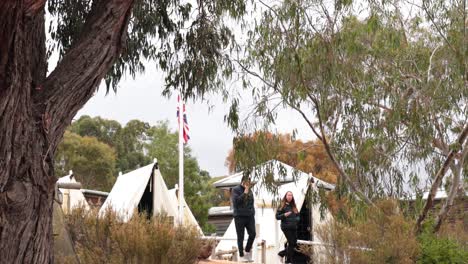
71, 198
189, 218
266, 202
144, 188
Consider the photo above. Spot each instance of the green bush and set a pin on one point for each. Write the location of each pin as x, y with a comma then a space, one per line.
441, 250
106, 239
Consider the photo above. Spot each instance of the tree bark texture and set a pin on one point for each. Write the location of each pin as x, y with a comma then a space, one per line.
35, 109
438, 180
454, 188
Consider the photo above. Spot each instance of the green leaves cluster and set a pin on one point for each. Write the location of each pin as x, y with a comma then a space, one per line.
188, 41
440, 250
129, 141
92, 161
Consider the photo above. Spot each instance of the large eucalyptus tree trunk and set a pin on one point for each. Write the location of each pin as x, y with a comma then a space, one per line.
35, 110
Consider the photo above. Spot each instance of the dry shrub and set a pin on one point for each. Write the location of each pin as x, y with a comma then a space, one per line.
65, 259
337, 205
106, 239
383, 236
337, 240
208, 245
307, 250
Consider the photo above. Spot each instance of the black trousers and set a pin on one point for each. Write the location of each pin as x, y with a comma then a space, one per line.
242, 223
291, 237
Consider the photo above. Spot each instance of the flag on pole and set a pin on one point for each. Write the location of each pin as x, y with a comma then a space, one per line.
183, 138
186, 128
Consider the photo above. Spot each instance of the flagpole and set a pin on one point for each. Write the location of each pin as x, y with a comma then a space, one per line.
181, 160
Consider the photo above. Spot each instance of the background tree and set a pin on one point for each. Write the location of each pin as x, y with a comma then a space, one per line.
104, 130
92, 161
385, 93
129, 141
187, 41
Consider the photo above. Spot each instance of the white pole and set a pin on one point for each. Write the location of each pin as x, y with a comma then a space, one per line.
181, 160
254, 249
156, 207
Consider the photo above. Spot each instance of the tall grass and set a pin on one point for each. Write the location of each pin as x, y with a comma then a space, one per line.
106, 239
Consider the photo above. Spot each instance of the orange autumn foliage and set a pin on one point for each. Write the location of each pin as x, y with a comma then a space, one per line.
309, 157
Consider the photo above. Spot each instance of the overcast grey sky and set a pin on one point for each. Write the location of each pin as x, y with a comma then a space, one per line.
211, 139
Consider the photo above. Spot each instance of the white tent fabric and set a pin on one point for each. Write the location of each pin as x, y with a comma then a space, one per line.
127, 192
189, 218
130, 187
166, 201
268, 228
71, 198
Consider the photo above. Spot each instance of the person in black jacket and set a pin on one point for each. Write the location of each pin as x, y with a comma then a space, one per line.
244, 216
289, 216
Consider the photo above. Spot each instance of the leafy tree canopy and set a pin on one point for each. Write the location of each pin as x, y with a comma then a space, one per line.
382, 85
102, 129
128, 141
187, 40
92, 161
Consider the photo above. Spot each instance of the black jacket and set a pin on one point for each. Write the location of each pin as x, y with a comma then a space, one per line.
289, 222
243, 203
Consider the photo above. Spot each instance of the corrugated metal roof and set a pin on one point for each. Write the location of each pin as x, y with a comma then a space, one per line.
75, 197
440, 194
220, 210
95, 192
